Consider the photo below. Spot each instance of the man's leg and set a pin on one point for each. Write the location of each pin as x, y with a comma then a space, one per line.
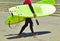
31, 26
26, 24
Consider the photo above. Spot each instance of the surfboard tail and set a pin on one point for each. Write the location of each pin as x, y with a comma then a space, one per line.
52, 2
13, 20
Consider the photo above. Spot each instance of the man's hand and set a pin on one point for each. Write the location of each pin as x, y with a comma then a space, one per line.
34, 15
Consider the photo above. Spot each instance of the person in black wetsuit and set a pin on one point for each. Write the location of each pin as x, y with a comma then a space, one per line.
28, 20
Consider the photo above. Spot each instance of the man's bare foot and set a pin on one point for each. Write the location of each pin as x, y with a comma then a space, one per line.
20, 35
34, 34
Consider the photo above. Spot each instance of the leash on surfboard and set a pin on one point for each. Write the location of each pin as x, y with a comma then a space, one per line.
9, 24
14, 26
10, 21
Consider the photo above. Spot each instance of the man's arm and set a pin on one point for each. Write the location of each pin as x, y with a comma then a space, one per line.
31, 8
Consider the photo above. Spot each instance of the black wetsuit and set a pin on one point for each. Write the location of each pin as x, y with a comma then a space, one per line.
28, 20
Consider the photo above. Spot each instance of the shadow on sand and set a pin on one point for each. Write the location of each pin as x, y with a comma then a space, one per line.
15, 36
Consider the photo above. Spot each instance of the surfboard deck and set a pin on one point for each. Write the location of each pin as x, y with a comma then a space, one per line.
23, 11
40, 10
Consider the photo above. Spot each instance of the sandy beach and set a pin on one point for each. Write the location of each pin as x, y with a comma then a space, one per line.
48, 30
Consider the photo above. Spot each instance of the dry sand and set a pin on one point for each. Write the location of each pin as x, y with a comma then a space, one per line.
48, 30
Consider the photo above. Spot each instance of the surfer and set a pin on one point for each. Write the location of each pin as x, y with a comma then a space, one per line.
28, 20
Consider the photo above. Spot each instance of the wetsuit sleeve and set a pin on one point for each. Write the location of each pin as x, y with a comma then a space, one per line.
31, 8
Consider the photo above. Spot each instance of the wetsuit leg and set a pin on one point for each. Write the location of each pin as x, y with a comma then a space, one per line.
25, 25
31, 26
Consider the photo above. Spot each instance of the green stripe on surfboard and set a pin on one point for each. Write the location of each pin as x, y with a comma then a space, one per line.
52, 2
13, 19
